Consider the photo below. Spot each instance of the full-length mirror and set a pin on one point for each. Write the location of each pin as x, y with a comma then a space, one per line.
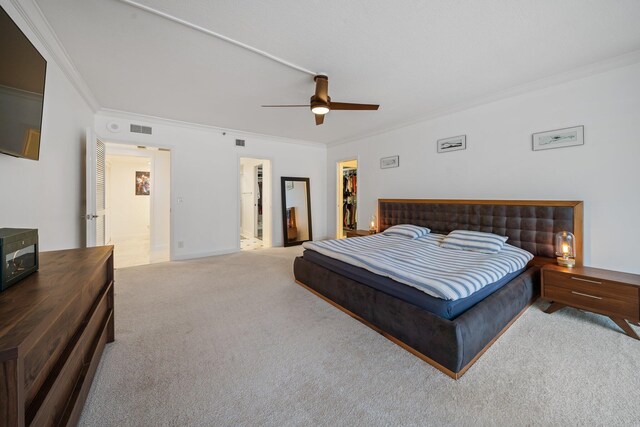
296, 210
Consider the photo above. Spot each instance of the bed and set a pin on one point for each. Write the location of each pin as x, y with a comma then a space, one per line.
450, 339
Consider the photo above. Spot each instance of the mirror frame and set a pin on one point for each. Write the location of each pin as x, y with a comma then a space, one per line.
283, 184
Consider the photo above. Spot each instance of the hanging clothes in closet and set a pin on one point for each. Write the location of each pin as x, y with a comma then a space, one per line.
349, 204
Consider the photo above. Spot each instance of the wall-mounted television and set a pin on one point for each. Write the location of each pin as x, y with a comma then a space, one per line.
22, 76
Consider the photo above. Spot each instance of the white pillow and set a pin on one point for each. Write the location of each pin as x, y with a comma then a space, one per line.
476, 241
408, 230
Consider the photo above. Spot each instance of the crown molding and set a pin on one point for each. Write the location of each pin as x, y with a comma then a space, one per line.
36, 21
616, 62
146, 119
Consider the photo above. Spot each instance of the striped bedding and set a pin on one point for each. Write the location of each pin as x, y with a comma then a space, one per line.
423, 264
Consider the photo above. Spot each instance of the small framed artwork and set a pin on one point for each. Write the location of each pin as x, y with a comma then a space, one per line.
143, 183
454, 143
389, 162
559, 138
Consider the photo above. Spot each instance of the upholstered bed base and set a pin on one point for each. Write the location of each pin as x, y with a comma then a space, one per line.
449, 345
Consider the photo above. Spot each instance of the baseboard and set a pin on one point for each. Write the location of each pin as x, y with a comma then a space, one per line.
184, 257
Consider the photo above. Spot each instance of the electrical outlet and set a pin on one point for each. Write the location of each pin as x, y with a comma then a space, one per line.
180, 244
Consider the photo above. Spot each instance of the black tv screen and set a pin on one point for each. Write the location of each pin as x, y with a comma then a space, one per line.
22, 75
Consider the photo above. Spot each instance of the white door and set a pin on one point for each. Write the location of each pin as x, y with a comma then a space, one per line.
95, 165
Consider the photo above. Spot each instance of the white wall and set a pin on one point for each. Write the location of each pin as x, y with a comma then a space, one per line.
205, 170
160, 201
49, 194
129, 215
499, 163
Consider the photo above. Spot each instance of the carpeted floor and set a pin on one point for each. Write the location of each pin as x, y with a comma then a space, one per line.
232, 340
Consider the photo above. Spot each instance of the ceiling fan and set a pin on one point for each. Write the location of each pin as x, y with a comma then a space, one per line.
321, 103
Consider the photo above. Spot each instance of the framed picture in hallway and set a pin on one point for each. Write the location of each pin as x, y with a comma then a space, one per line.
143, 183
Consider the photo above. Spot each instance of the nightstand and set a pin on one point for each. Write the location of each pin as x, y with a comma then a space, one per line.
358, 233
606, 292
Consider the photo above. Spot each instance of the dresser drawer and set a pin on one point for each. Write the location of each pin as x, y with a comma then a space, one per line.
600, 296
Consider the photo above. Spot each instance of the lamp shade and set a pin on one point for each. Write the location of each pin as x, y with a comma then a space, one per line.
565, 247
373, 223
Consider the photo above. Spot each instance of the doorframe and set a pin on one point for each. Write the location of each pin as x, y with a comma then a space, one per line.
170, 148
339, 214
265, 243
137, 153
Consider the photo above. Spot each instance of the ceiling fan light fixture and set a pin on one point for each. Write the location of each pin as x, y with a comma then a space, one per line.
320, 109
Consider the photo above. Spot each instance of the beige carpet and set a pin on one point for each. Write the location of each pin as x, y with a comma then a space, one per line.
232, 340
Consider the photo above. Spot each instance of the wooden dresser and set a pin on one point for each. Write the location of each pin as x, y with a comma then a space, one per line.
53, 328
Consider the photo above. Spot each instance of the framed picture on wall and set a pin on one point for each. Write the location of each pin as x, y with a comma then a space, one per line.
454, 143
559, 138
143, 183
389, 162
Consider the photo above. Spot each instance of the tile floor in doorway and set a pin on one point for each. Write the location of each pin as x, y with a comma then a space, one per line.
250, 243
129, 252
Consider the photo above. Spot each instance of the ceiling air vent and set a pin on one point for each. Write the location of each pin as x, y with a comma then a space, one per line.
140, 129
239, 142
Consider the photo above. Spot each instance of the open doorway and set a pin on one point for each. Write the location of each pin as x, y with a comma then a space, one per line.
137, 204
255, 203
347, 197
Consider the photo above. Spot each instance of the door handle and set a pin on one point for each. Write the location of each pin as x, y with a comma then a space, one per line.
90, 217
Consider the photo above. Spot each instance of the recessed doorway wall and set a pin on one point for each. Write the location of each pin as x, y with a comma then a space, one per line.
255, 203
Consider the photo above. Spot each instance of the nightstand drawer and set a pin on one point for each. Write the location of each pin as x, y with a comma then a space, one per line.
591, 286
612, 293
597, 302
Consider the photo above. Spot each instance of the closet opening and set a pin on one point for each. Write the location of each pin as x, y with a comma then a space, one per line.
255, 203
347, 192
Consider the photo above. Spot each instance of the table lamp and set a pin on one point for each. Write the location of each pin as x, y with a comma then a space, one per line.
566, 249
372, 224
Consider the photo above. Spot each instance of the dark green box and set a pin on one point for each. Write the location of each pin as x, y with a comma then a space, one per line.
18, 255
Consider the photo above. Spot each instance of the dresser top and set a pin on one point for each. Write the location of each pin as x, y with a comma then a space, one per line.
597, 273
40, 297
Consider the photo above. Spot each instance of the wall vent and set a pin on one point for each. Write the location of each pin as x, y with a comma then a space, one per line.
239, 142
140, 129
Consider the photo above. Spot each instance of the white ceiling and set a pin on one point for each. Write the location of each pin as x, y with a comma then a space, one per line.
416, 58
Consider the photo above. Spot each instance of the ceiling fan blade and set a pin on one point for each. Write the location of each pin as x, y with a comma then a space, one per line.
286, 106
319, 119
351, 106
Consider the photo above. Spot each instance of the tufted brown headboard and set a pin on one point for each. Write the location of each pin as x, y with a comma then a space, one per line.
529, 224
